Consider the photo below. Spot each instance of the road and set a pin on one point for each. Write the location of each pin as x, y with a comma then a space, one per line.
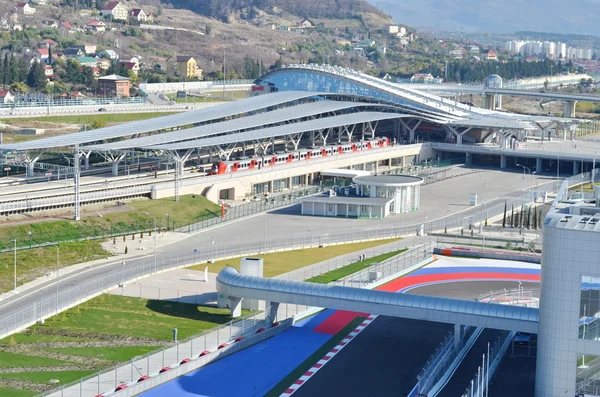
280, 228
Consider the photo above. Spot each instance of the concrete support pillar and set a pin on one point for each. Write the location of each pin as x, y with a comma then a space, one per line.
115, 168
289, 183
502, 161
87, 161
376, 166
271, 311
569, 109
373, 192
403, 161
489, 101
575, 167
468, 158
30, 166
235, 306
538, 165
270, 183
457, 335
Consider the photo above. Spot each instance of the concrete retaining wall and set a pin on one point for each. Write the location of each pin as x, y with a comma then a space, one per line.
500, 255
199, 362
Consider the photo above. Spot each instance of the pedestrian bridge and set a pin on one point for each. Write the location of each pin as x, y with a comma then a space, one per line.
235, 287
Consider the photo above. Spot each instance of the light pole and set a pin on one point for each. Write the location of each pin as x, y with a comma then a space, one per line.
57, 266
123, 274
154, 221
482, 204
15, 241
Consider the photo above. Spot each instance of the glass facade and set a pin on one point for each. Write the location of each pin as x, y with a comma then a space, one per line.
589, 308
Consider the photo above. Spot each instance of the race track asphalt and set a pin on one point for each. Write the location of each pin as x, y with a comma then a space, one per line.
469, 290
383, 360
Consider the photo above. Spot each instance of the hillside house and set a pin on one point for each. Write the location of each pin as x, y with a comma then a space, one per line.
66, 27
490, 55
109, 54
86, 48
49, 72
96, 25
18, 27
41, 54
87, 61
114, 85
306, 24
137, 14
73, 52
421, 78
24, 9
103, 63
6, 97
184, 66
132, 66
115, 10
47, 43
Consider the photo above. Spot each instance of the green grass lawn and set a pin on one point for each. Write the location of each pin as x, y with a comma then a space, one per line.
352, 268
45, 376
587, 187
139, 318
116, 354
108, 118
313, 358
13, 360
16, 393
283, 262
34, 263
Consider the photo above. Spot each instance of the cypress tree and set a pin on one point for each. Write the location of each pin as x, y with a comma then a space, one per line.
512, 215
504, 217
535, 220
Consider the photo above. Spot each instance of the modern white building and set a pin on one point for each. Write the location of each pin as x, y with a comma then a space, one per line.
371, 196
568, 355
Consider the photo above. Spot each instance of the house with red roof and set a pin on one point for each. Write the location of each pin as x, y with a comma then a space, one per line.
115, 10
6, 97
137, 14
96, 25
24, 8
47, 43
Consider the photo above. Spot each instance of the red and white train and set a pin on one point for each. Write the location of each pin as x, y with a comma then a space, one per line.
223, 167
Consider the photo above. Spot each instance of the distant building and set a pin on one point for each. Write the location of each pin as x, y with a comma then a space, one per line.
110, 54
87, 61
421, 78
47, 43
103, 63
6, 97
66, 27
48, 71
393, 29
490, 55
96, 25
86, 48
131, 65
306, 24
115, 10
185, 66
73, 52
114, 85
24, 8
137, 14
49, 24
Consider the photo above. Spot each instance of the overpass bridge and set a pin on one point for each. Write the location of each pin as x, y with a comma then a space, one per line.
235, 287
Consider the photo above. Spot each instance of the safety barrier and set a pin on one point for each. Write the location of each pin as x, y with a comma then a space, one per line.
444, 359
490, 363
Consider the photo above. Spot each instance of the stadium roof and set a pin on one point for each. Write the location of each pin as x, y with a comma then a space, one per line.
282, 130
175, 120
234, 125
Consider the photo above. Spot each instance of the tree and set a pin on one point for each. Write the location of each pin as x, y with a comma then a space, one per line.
504, 217
36, 78
97, 123
277, 65
49, 61
529, 218
512, 215
535, 220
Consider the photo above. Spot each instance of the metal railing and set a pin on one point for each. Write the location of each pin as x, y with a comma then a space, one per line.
490, 362
42, 102
512, 297
443, 357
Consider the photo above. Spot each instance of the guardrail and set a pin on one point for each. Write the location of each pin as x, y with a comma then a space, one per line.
513, 297
443, 358
490, 363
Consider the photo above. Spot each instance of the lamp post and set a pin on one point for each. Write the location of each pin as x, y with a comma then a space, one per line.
57, 266
30, 233
15, 241
123, 274
482, 204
